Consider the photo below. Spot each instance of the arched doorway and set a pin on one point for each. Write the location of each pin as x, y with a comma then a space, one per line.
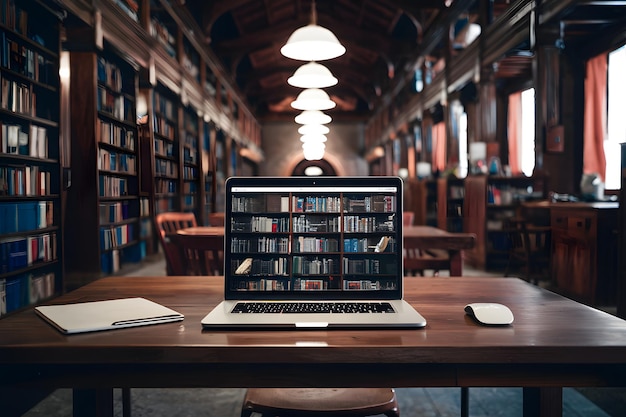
313, 168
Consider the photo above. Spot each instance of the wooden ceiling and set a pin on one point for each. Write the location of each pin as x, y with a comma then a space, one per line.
385, 40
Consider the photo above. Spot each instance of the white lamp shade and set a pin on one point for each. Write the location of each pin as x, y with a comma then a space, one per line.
313, 99
313, 129
312, 43
313, 138
312, 75
313, 151
313, 117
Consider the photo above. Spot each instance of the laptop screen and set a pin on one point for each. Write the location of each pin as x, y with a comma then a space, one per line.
313, 238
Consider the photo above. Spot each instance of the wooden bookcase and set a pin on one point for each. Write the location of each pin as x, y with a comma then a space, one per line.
489, 201
190, 161
103, 202
31, 259
450, 196
166, 148
296, 241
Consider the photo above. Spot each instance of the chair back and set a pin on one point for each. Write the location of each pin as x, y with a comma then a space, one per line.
408, 217
202, 254
216, 219
167, 224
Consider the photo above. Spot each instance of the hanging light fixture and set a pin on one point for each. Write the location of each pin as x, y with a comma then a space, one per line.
312, 75
313, 151
313, 99
313, 129
313, 138
313, 117
312, 42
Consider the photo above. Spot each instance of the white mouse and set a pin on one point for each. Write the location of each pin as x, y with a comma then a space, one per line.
490, 313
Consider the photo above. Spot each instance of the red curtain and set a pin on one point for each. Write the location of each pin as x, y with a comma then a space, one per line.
439, 147
514, 132
595, 115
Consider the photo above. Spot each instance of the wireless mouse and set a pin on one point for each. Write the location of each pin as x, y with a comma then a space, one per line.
490, 313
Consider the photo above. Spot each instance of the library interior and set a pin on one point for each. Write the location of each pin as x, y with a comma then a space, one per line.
121, 121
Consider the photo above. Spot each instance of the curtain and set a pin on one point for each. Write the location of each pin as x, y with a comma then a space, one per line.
439, 147
514, 132
595, 116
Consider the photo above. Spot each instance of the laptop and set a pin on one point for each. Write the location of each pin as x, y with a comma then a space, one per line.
313, 253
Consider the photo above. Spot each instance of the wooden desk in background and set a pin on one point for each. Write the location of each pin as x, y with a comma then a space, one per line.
428, 237
553, 342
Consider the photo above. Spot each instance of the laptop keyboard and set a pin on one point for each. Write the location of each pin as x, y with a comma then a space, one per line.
313, 307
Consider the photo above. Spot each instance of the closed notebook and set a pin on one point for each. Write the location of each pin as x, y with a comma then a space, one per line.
107, 315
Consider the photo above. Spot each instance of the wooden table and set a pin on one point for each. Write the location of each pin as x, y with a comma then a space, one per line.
202, 231
553, 342
428, 237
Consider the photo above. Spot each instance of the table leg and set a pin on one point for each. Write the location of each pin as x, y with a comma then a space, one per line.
93, 402
456, 263
543, 402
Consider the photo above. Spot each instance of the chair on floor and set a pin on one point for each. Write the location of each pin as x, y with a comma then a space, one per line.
314, 402
216, 219
529, 249
167, 224
408, 217
201, 254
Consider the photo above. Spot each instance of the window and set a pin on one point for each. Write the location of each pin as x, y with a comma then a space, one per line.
616, 128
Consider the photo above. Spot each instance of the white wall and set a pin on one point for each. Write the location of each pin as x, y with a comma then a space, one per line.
283, 150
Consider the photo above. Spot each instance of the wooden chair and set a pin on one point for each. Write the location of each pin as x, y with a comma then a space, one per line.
202, 255
529, 249
314, 402
167, 224
216, 219
408, 217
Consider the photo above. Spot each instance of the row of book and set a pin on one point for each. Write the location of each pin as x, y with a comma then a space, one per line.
164, 106
145, 228
117, 162
366, 204
24, 181
17, 97
317, 204
31, 140
268, 224
164, 127
26, 61
315, 244
310, 284
113, 237
24, 290
160, 32
21, 252
166, 168
358, 224
25, 216
190, 172
262, 284
112, 186
190, 187
109, 75
306, 266
120, 107
113, 212
366, 284
164, 186
368, 266
306, 224
111, 261
260, 245
163, 147
115, 135
362, 245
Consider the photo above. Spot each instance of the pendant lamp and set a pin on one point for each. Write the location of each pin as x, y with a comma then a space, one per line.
312, 42
313, 138
309, 117
313, 129
313, 151
312, 75
313, 99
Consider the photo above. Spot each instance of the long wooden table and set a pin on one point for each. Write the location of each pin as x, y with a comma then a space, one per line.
554, 342
428, 237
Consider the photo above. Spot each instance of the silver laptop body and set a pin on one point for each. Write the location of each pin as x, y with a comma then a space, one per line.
313, 253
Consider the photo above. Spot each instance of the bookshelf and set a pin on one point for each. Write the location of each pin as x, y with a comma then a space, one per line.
191, 162
31, 267
450, 195
103, 201
166, 150
489, 201
313, 242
